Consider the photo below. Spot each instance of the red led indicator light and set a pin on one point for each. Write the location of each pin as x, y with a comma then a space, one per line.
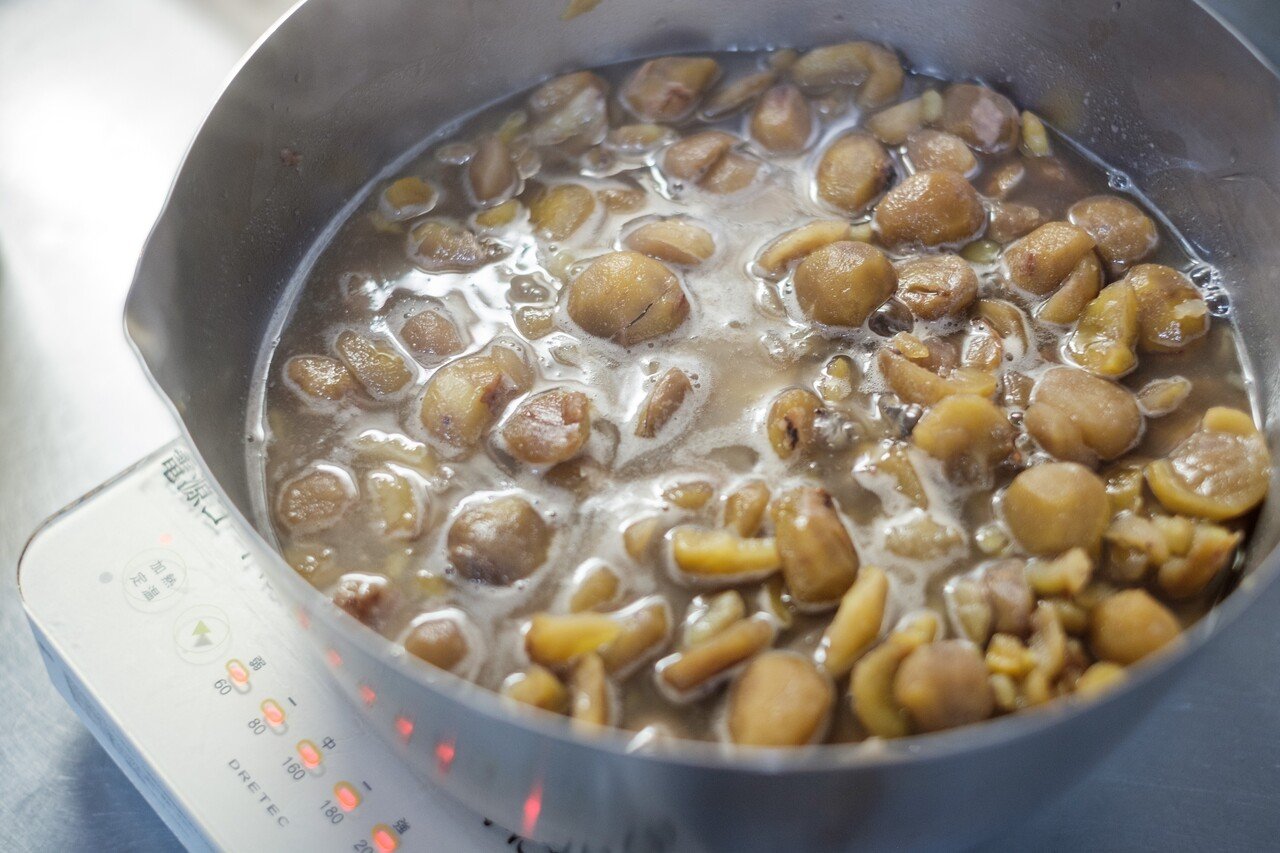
239, 674
335, 659
346, 794
444, 755
532, 808
367, 695
404, 727
303, 619
166, 538
273, 713
385, 838
310, 754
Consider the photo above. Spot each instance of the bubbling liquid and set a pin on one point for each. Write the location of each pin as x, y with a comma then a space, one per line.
685, 567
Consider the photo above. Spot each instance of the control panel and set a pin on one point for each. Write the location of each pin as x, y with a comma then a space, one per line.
159, 628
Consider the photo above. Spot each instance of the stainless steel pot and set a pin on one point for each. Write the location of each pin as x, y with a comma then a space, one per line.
340, 89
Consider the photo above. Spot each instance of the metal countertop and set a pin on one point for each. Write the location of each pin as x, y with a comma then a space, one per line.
98, 100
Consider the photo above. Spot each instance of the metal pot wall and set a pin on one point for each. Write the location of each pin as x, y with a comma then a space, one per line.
339, 90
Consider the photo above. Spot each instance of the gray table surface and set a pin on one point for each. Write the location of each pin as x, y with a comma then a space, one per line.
98, 99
